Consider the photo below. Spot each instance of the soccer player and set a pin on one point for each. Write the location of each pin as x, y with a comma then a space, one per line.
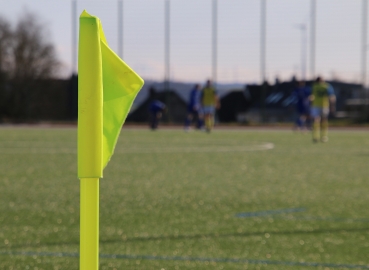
210, 102
323, 102
156, 109
302, 94
194, 110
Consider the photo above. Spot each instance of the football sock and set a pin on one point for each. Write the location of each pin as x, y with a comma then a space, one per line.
316, 127
324, 129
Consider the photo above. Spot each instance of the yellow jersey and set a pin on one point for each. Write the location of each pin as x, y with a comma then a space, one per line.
321, 92
209, 96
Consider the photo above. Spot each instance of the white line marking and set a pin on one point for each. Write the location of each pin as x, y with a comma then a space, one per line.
198, 149
141, 149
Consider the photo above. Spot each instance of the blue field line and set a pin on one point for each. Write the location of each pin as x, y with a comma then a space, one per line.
336, 219
296, 210
270, 212
41, 254
193, 259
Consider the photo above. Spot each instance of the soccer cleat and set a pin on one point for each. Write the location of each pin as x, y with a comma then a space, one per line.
324, 139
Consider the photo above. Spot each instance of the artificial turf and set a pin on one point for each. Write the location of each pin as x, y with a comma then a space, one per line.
232, 199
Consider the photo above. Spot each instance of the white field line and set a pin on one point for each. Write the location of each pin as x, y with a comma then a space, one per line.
198, 149
145, 150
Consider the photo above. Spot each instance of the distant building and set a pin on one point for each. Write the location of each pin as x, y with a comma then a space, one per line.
57, 100
275, 103
234, 105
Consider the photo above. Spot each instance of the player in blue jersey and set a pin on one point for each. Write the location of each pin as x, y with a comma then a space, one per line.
156, 109
194, 110
302, 94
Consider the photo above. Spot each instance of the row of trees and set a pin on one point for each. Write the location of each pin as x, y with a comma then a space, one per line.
26, 57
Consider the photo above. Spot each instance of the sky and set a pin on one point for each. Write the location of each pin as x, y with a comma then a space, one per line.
338, 36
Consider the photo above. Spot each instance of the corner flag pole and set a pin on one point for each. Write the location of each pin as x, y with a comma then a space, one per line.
90, 125
107, 87
89, 224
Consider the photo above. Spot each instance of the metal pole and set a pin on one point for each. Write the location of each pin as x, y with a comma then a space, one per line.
364, 42
120, 28
263, 59
303, 51
364, 48
74, 36
312, 38
167, 58
214, 41
263, 41
167, 44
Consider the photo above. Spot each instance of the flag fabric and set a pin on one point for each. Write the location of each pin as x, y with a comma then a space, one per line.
107, 87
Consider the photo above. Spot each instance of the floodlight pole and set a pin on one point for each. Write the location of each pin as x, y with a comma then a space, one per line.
302, 27
120, 28
167, 54
214, 40
167, 44
364, 48
364, 45
263, 58
312, 38
263, 41
74, 36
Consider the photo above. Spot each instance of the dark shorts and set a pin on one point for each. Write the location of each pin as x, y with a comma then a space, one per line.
191, 110
302, 110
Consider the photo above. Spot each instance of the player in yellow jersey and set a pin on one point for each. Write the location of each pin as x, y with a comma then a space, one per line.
323, 102
210, 102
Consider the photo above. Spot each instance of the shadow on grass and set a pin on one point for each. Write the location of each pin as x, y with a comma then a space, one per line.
194, 236
235, 234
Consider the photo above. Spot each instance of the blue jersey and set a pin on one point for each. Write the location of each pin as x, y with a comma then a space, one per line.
156, 106
302, 96
195, 100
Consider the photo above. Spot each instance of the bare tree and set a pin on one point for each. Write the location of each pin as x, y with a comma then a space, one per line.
33, 54
5, 45
26, 57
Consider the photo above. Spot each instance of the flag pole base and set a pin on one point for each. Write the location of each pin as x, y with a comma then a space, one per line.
89, 224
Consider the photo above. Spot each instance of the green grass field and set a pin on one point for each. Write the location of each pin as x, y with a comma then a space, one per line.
237, 199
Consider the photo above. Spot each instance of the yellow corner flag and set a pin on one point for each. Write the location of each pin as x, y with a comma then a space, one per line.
107, 88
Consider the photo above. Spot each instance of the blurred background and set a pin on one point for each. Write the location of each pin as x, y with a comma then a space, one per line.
253, 50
